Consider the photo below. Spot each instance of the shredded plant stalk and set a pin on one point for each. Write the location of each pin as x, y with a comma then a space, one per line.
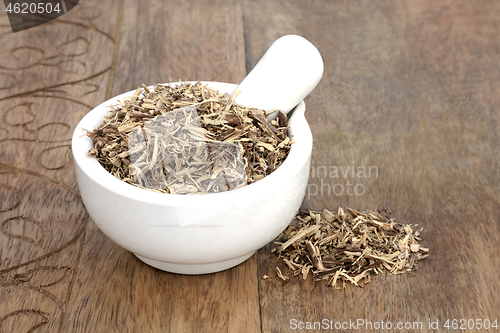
189, 139
349, 246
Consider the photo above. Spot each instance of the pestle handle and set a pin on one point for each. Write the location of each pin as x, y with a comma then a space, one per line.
289, 70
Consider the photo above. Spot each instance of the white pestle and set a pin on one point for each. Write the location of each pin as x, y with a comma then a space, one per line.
289, 70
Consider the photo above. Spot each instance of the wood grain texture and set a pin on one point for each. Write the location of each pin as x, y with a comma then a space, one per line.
114, 291
410, 88
410, 96
50, 77
181, 40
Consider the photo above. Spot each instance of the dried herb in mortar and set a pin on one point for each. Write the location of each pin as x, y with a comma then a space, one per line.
348, 246
189, 139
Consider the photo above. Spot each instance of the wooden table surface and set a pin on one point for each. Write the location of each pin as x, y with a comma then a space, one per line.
411, 91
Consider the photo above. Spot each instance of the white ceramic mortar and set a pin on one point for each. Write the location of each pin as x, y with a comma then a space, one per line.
193, 234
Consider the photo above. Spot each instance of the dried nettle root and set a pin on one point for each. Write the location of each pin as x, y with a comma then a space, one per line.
188, 139
348, 246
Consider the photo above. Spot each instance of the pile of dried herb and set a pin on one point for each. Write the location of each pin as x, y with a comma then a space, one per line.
189, 139
348, 247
